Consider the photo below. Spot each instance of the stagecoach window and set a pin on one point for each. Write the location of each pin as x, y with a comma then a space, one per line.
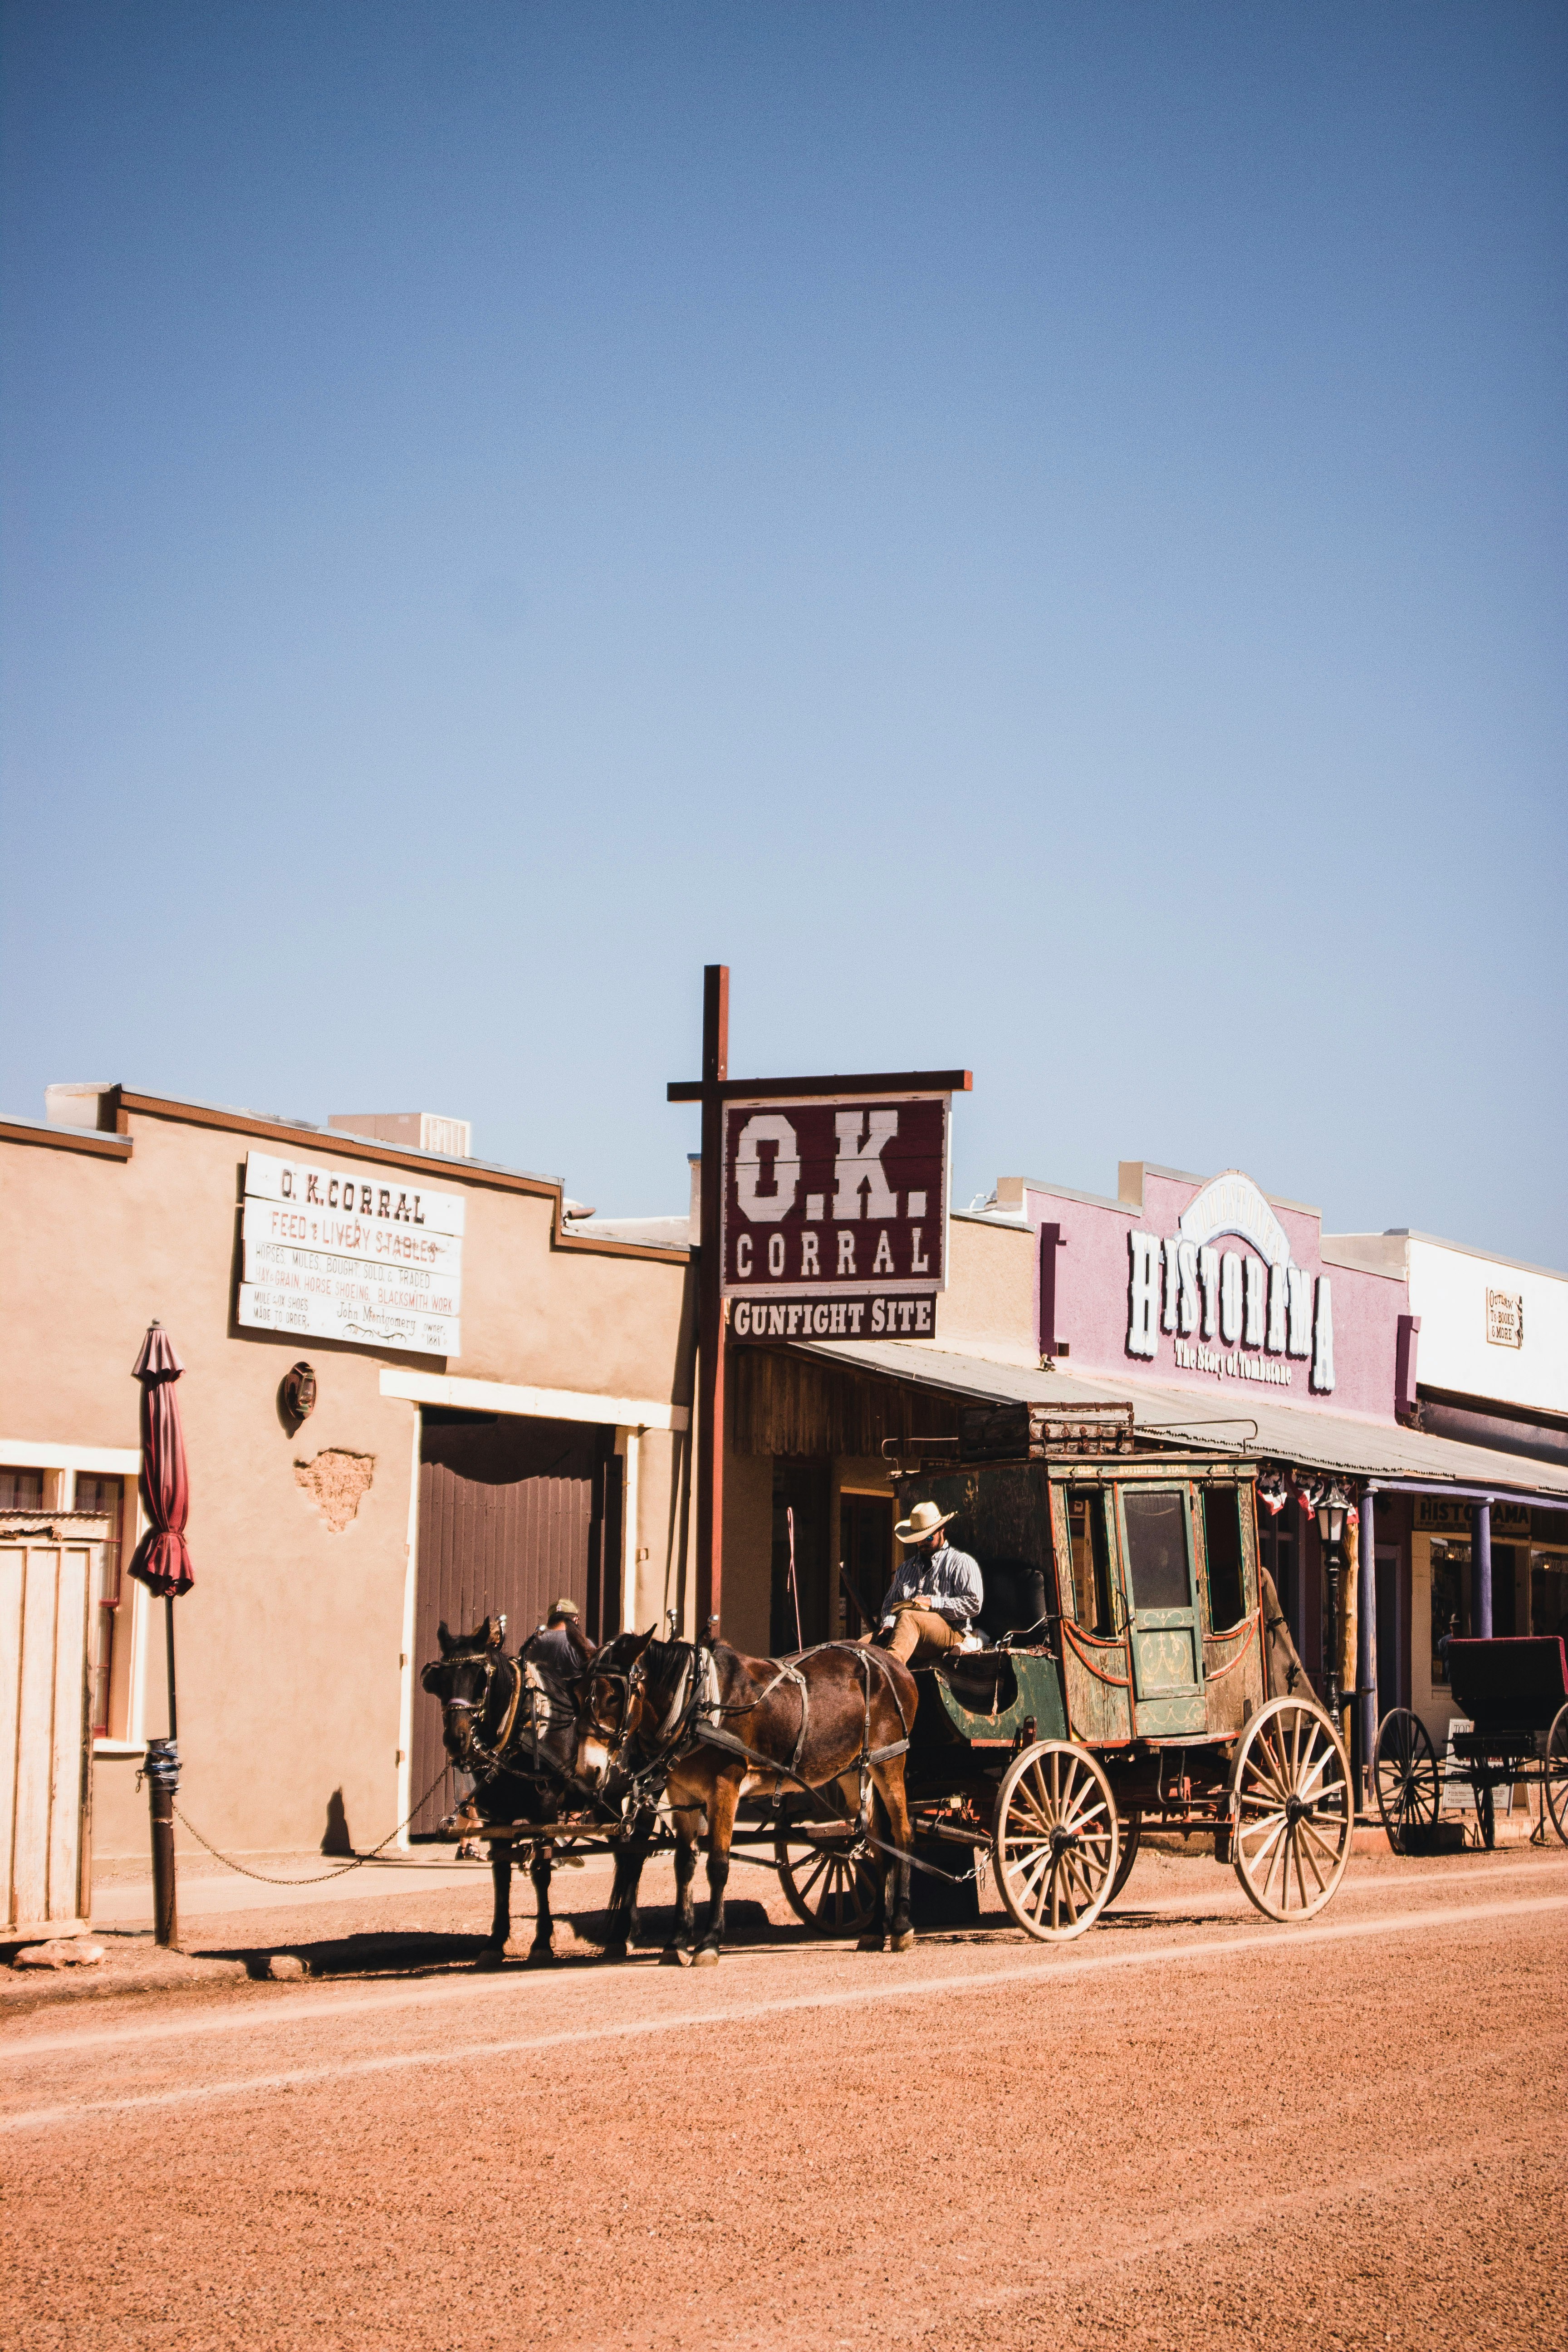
1090, 1559
1157, 1550
1221, 1541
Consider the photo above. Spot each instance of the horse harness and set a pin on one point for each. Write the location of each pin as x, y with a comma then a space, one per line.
494, 1760
693, 1718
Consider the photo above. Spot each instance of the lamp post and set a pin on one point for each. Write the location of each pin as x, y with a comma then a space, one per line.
1331, 1536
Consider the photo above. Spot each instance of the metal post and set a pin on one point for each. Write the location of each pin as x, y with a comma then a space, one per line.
1332, 1566
1481, 1570
711, 1307
1366, 1640
162, 1770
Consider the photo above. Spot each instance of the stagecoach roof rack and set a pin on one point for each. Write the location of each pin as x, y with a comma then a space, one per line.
1021, 1432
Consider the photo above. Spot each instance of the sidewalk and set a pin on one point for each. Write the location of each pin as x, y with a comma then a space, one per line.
121, 1899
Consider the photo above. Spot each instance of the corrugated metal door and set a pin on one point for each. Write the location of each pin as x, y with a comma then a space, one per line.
44, 1584
511, 1514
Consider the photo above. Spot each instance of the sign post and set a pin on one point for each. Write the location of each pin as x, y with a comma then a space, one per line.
824, 1206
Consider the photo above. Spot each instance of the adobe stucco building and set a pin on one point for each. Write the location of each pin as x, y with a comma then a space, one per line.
547, 1452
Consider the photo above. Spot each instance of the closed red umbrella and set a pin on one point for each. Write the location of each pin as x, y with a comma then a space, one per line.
163, 1559
162, 1562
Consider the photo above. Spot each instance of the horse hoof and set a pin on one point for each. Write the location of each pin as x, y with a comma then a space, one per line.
871, 1941
541, 1955
706, 1958
674, 1956
493, 1956
904, 1942
614, 1952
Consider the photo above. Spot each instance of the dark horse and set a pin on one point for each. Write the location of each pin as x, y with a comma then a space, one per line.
514, 1727
836, 1715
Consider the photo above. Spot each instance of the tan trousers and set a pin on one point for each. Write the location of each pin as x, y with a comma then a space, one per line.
919, 1635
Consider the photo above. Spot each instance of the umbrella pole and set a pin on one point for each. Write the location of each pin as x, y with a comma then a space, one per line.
163, 1771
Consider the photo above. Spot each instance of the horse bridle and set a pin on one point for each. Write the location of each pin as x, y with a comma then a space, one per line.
490, 1757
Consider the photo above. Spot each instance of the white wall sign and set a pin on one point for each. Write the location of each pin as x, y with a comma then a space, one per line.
1505, 1319
365, 1254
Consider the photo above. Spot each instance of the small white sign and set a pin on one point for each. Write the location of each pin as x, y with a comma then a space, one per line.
1505, 1319
363, 1255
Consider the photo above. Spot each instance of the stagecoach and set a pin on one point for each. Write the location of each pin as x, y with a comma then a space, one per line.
1136, 1674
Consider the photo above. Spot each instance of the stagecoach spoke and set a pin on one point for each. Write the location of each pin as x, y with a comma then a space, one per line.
1055, 1840
829, 1886
1292, 1806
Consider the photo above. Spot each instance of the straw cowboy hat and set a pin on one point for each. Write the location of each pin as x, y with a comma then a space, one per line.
922, 1521
565, 1607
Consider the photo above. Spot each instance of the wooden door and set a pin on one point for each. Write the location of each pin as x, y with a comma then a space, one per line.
513, 1513
1164, 1632
46, 1583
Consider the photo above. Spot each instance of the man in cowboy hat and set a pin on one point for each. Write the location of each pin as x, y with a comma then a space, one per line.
561, 1646
934, 1594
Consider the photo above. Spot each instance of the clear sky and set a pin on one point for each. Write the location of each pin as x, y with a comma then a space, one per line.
1035, 533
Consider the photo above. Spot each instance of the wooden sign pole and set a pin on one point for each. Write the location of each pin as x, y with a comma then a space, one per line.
710, 1307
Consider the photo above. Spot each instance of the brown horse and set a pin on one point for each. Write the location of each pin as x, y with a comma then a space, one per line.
706, 1726
513, 1726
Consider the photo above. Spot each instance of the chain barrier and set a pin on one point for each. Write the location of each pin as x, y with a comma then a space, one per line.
318, 1877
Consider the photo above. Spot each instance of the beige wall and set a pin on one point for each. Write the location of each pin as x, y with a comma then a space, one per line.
988, 1305
291, 1662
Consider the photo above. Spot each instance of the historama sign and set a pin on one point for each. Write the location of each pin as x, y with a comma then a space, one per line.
834, 1219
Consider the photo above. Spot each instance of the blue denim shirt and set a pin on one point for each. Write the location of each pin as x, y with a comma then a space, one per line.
949, 1581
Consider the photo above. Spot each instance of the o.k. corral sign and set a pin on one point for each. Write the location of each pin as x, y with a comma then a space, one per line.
365, 1254
834, 1220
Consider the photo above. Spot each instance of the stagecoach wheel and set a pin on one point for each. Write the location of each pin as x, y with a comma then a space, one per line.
1404, 1773
1557, 1774
829, 1885
1056, 1841
1132, 1827
1292, 1810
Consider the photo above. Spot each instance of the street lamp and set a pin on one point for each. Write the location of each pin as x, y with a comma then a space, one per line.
1332, 1509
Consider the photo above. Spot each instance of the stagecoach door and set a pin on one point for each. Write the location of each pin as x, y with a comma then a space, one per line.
1163, 1632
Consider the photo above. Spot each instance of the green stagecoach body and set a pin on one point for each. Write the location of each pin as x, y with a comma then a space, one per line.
1123, 1593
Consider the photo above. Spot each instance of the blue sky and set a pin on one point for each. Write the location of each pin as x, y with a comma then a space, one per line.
1036, 534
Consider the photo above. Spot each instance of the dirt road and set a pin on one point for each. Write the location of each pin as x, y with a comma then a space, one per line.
1191, 2128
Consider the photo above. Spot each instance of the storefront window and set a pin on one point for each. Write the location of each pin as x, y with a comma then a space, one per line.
1549, 1592
1450, 1571
106, 1495
21, 1490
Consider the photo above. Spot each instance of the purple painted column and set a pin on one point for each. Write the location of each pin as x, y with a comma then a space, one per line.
1481, 1570
1366, 1636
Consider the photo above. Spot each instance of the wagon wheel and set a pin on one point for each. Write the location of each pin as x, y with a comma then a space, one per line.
1291, 1808
1055, 1839
1132, 1831
1404, 1772
1557, 1774
829, 1884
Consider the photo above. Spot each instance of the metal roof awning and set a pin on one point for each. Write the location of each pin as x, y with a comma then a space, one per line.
1384, 1456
